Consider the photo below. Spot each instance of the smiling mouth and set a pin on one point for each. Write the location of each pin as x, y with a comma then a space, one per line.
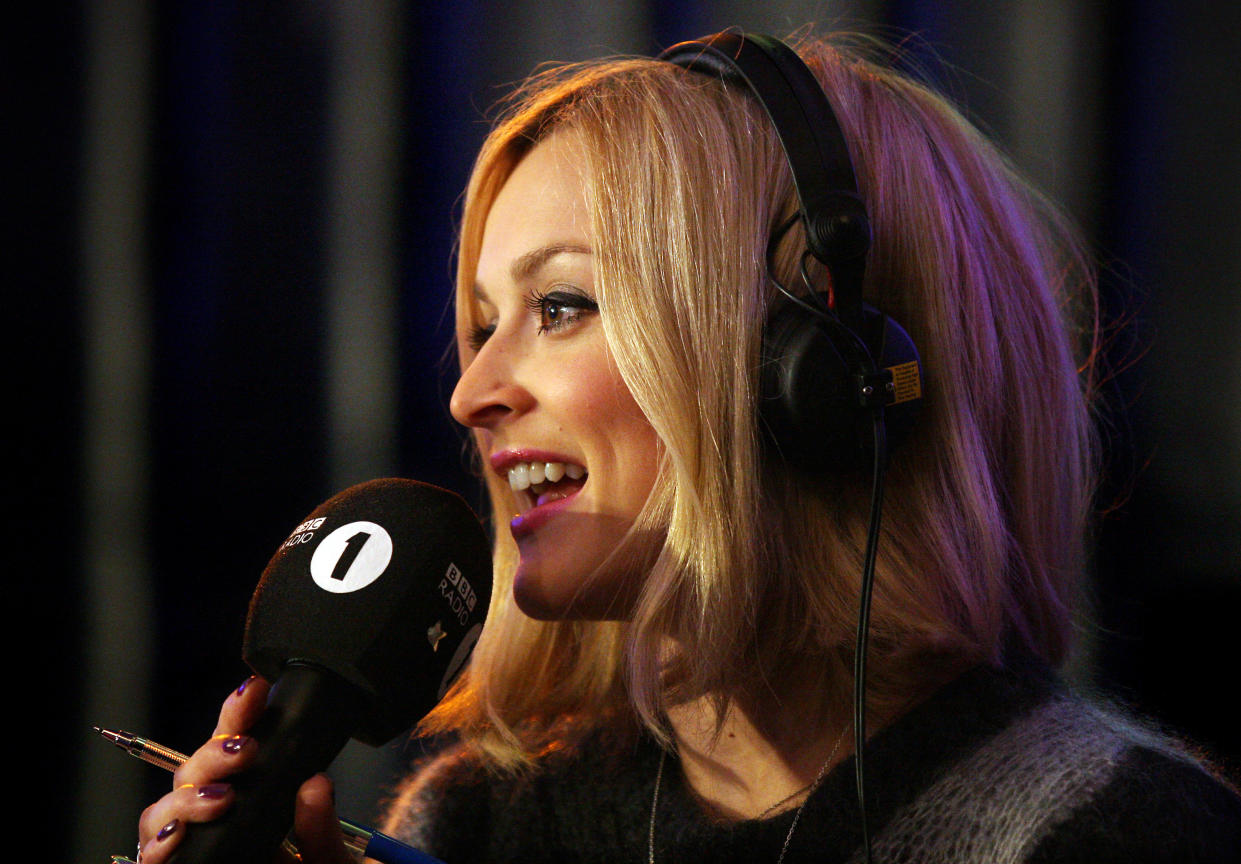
537, 483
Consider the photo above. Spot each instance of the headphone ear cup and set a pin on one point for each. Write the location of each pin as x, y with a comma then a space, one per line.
809, 409
805, 407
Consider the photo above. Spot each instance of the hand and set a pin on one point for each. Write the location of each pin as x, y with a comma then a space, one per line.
201, 791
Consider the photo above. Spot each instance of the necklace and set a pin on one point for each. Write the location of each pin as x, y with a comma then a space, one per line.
814, 784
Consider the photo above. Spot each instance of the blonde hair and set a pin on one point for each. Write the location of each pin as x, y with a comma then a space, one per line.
759, 571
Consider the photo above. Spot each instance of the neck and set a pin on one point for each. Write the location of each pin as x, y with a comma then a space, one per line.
762, 756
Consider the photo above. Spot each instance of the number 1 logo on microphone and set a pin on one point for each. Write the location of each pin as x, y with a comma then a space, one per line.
351, 557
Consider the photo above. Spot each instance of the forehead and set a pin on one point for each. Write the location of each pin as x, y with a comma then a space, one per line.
542, 204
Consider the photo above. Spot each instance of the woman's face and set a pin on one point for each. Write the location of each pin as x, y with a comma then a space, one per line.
543, 394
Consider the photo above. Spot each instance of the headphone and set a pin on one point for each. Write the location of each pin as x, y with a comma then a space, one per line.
841, 382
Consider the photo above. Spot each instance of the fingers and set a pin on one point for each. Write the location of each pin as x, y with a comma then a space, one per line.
221, 757
243, 707
229, 750
316, 825
163, 823
200, 788
319, 838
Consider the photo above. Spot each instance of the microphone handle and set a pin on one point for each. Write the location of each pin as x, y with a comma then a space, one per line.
311, 714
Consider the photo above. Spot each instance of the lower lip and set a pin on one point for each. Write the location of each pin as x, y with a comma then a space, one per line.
532, 520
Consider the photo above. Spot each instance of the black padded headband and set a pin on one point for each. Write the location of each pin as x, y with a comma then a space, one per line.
836, 225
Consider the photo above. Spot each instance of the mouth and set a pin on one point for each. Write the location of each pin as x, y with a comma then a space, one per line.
537, 483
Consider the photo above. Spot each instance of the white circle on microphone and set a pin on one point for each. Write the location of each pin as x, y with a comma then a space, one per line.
351, 557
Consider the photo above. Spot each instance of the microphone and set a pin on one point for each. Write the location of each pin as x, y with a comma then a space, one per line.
362, 620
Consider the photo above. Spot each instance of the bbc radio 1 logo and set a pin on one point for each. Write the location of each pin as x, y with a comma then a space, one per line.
303, 533
456, 589
351, 557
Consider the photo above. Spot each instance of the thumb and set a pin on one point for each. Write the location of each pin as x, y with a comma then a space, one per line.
319, 838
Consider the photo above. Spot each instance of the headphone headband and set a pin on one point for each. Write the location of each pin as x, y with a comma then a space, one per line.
834, 218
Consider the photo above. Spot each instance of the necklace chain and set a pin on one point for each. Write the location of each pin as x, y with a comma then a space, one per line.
786, 799
814, 784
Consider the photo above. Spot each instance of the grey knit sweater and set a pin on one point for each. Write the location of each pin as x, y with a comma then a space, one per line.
999, 766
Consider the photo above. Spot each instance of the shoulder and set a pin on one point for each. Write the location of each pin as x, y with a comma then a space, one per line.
445, 790
1068, 779
454, 807
1154, 800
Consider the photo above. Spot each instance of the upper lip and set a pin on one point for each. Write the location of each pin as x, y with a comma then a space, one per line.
503, 460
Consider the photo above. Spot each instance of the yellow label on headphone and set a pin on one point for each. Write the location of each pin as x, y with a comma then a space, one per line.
907, 381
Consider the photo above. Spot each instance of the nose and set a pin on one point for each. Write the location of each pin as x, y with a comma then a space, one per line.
488, 390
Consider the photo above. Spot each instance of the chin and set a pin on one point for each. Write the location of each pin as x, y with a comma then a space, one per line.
556, 580
534, 601
594, 598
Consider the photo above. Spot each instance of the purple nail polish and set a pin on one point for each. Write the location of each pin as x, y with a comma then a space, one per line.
234, 744
168, 830
244, 685
213, 790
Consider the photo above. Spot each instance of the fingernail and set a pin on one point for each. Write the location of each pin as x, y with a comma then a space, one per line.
234, 744
244, 685
214, 790
168, 830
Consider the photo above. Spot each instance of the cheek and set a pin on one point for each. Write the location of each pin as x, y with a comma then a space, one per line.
611, 408
633, 448
634, 437
592, 393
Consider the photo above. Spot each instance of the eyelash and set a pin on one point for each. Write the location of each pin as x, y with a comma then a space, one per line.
575, 303
478, 336
538, 302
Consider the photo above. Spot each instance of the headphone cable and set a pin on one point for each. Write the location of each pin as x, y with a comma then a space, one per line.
863, 627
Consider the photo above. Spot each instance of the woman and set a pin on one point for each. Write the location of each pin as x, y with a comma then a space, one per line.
667, 668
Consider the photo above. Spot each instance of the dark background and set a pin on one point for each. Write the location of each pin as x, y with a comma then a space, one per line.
230, 228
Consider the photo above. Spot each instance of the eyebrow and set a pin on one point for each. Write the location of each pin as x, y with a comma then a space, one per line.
527, 265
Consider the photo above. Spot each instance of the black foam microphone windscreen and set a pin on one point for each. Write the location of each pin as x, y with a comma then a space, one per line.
362, 619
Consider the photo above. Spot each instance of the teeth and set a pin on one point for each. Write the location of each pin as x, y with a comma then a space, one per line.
519, 476
523, 475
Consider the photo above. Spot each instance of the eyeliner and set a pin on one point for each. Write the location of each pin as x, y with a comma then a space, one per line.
359, 839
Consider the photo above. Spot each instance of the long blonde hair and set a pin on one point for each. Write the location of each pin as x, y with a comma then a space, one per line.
759, 571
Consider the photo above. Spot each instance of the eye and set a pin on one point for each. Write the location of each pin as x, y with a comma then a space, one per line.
560, 309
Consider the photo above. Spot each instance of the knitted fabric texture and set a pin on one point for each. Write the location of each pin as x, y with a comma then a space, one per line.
997, 767
997, 804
